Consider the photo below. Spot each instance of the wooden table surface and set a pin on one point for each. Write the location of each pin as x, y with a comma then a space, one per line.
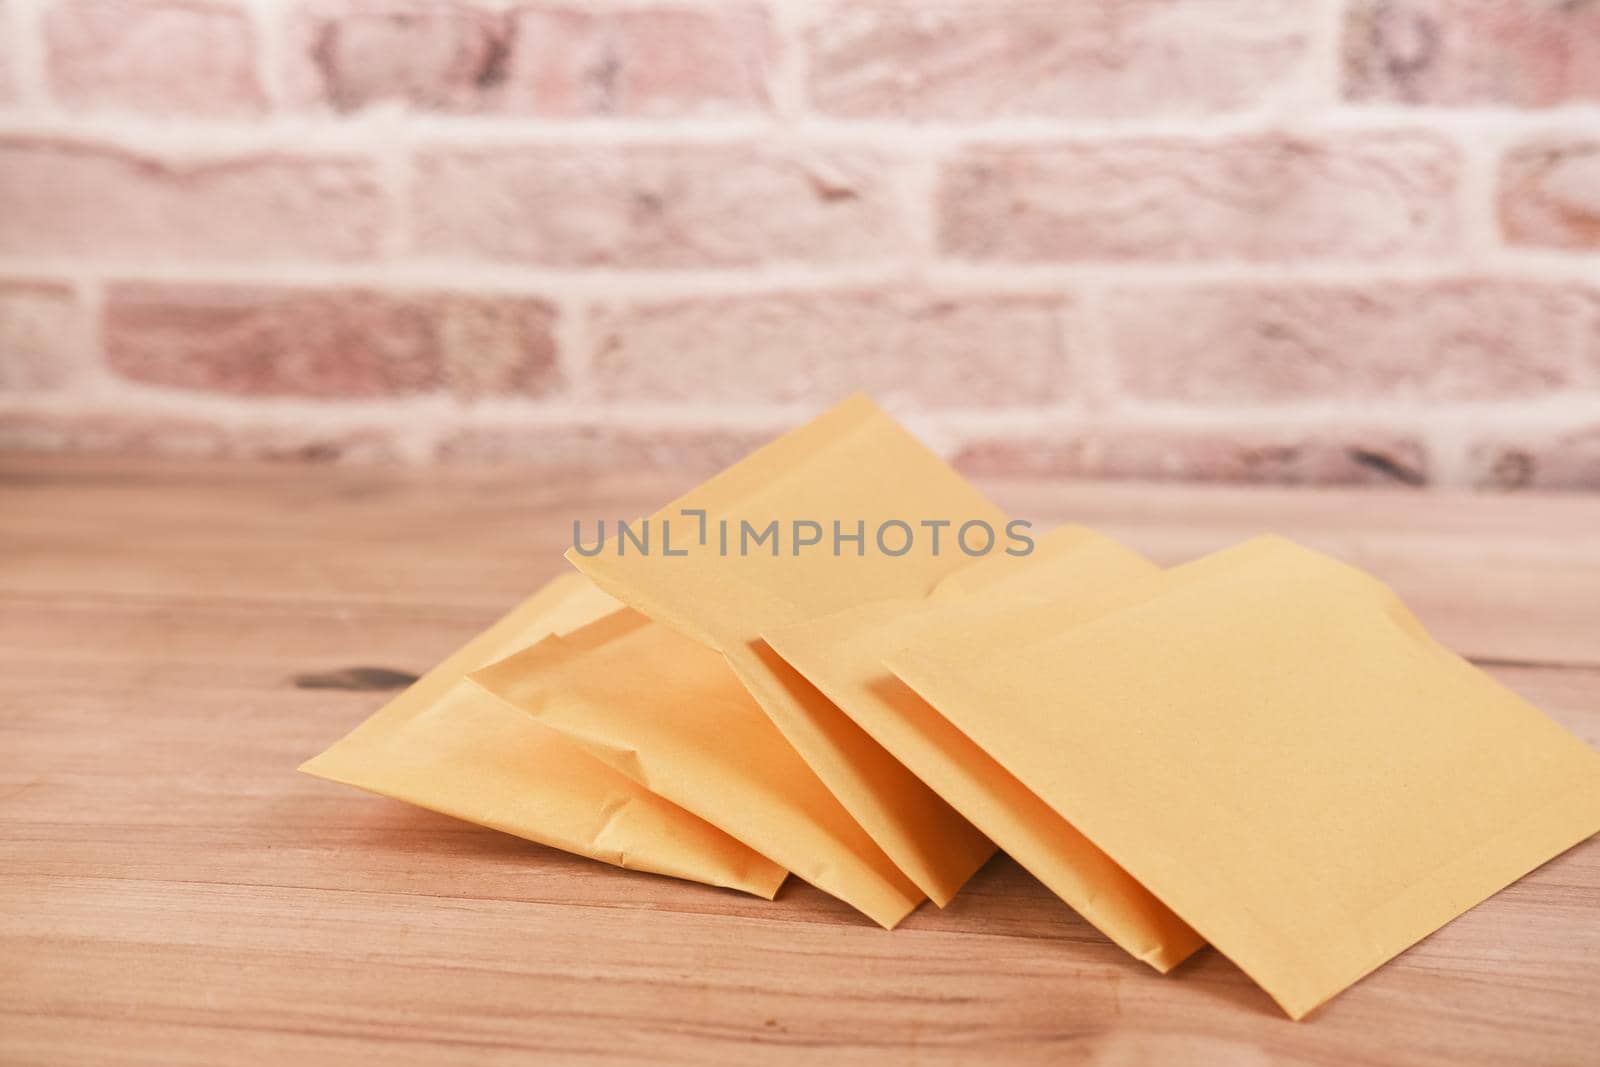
172, 892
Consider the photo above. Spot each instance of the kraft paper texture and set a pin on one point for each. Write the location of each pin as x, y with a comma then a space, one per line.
446, 745
667, 712
853, 465
842, 655
1274, 747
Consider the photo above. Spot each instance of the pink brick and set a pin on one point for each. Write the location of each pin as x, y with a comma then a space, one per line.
1520, 53
159, 56
1258, 198
1546, 461
656, 205
570, 61
1089, 58
1155, 453
67, 198
328, 343
928, 349
1550, 194
127, 433
604, 447
40, 336
555, 60
1257, 344
433, 55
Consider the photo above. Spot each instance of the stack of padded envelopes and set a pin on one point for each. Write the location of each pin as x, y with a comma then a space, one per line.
836, 659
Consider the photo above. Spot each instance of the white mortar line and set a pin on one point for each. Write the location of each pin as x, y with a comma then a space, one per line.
97, 379
319, 131
1564, 409
941, 277
915, 180
1477, 198
1551, 413
575, 348
24, 29
405, 410
271, 53
787, 80
396, 173
1449, 448
1324, 76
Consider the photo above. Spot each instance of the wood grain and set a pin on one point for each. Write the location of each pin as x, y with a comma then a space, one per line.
171, 892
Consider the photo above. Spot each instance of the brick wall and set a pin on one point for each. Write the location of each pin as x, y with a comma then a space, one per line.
1276, 240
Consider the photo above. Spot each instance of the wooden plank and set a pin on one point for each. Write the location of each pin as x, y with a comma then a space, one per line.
576, 975
1499, 578
1494, 577
171, 892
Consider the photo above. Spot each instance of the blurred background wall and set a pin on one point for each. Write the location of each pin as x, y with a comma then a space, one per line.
1276, 240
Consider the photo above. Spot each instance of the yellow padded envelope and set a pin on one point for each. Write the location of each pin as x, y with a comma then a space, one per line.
856, 467
446, 745
1277, 750
667, 712
842, 655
